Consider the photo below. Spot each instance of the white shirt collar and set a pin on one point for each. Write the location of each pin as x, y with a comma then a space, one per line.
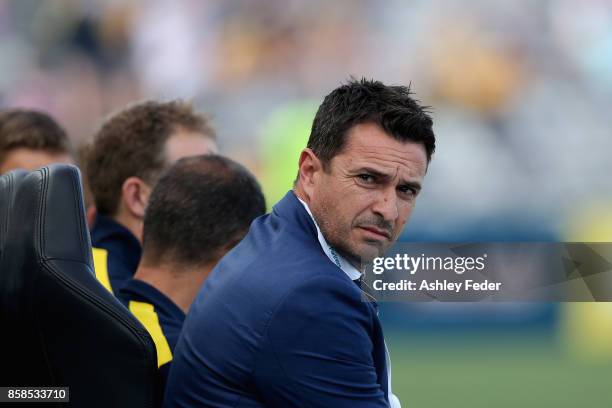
333, 256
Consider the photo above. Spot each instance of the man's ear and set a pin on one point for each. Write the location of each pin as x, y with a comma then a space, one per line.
135, 196
90, 215
310, 168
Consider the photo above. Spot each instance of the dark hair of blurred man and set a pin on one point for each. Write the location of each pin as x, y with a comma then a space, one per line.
30, 139
199, 210
127, 155
285, 308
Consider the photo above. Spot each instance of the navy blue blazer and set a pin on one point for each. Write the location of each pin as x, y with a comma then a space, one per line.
277, 324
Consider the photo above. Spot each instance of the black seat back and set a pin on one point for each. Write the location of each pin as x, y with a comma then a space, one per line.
60, 327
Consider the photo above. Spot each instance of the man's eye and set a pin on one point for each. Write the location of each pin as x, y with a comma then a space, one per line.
407, 190
366, 178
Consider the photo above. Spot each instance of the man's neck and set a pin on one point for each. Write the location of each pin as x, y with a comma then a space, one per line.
179, 283
299, 193
132, 224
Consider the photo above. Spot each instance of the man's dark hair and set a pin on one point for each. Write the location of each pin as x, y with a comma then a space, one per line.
200, 206
30, 129
369, 101
131, 143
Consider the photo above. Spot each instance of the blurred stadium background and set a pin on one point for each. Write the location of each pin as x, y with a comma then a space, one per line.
521, 94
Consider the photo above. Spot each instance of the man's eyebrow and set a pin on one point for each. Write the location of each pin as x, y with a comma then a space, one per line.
372, 171
412, 184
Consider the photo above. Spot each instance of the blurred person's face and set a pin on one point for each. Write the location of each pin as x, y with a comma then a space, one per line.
31, 159
181, 144
184, 143
366, 195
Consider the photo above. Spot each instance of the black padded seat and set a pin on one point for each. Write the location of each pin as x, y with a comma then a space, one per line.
59, 326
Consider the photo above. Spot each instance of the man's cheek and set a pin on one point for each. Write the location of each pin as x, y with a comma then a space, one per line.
403, 219
399, 227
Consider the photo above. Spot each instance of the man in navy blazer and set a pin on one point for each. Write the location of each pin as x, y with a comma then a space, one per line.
282, 321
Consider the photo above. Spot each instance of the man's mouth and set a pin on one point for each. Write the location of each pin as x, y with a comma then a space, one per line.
376, 232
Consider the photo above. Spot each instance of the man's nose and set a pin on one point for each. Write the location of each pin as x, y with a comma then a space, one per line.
386, 205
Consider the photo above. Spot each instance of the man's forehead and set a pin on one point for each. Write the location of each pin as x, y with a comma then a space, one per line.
374, 148
184, 144
30, 159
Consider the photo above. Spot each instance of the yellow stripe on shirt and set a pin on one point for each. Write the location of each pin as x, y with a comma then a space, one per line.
100, 260
145, 313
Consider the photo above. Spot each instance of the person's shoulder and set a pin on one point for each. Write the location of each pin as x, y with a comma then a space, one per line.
325, 289
258, 286
273, 250
273, 261
285, 268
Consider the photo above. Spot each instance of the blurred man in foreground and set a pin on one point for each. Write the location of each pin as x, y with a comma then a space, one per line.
199, 210
127, 155
281, 320
31, 139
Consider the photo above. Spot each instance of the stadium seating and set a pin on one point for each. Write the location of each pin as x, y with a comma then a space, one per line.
59, 326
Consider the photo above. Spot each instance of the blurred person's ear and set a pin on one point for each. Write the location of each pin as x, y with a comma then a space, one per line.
90, 206
90, 215
135, 197
311, 170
